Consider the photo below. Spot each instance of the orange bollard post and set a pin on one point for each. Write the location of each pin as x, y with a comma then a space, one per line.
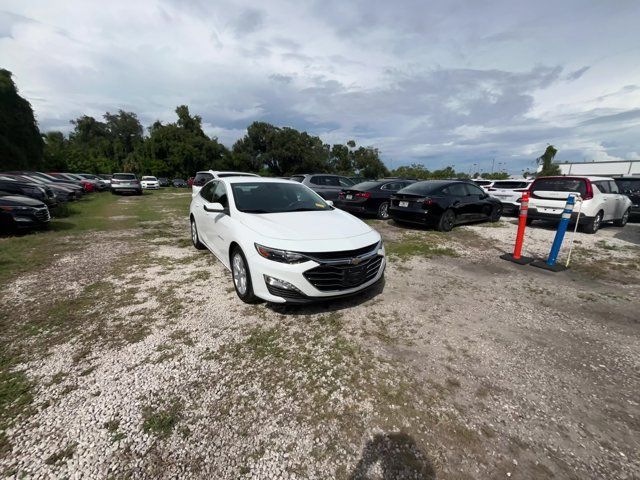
516, 256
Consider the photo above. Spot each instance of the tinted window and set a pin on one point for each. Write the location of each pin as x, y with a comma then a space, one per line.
553, 184
510, 185
272, 197
455, 190
297, 178
613, 187
220, 195
473, 190
201, 179
423, 188
207, 191
124, 176
345, 182
482, 182
603, 186
316, 180
394, 186
628, 185
367, 185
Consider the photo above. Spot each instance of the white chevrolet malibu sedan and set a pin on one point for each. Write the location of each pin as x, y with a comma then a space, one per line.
283, 242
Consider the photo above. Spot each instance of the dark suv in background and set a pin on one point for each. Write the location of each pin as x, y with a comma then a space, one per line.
630, 186
325, 185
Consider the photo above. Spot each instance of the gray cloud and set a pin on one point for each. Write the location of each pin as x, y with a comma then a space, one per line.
432, 82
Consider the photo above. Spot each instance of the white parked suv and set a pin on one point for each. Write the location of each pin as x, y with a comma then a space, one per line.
483, 184
509, 192
283, 242
203, 177
601, 201
150, 183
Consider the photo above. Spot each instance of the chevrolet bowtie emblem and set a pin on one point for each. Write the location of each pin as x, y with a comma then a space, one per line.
355, 261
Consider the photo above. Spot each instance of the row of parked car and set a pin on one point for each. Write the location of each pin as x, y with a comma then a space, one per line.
28, 199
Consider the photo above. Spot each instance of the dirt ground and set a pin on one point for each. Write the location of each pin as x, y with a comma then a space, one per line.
133, 358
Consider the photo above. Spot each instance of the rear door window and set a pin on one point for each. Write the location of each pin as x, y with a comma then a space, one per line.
603, 186
613, 187
455, 190
201, 179
473, 190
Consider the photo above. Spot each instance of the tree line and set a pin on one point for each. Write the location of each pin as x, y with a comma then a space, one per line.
117, 143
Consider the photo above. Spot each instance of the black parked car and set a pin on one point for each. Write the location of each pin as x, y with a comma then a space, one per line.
19, 213
630, 186
370, 197
179, 182
443, 204
27, 189
62, 193
164, 182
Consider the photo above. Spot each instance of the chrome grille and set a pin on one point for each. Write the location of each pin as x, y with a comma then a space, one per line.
332, 277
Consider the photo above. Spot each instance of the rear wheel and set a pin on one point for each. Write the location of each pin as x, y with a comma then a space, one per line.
447, 221
496, 213
623, 221
242, 277
593, 225
383, 211
195, 238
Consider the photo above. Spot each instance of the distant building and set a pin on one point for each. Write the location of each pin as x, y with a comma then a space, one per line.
615, 168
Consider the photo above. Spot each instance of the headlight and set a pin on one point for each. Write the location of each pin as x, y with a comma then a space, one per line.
282, 256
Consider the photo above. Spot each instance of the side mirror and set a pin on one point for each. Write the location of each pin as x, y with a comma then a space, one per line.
329, 202
213, 207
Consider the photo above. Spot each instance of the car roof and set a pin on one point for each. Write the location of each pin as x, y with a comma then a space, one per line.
232, 180
218, 172
591, 178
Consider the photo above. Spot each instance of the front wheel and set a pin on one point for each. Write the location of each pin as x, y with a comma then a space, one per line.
593, 225
621, 222
383, 211
195, 238
447, 221
242, 277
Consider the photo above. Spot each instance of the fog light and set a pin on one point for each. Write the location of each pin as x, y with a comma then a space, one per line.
276, 282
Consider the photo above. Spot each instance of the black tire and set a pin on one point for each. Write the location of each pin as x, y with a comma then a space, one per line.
383, 211
593, 225
447, 221
529, 221
195, 238
621, 222
496, 213
247, 295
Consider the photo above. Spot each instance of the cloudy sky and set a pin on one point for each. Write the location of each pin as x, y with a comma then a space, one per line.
451, 82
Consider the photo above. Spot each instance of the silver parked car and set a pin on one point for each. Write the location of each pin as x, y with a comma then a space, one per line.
326, 185
125, 183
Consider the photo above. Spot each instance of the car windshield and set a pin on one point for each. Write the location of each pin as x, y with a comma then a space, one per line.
271, 197
124, 176
629, 185
553, 184
149, 178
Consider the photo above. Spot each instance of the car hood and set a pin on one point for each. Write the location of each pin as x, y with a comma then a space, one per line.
20, 201
296, 226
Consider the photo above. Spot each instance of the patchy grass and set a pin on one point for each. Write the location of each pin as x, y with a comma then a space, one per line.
428, 245
161, 422
15, 397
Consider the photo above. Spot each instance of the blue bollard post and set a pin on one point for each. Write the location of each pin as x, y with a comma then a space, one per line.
550, 264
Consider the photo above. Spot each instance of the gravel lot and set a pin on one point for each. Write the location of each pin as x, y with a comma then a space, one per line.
137, 360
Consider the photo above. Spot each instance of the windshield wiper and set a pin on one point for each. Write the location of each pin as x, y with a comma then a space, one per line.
257, 210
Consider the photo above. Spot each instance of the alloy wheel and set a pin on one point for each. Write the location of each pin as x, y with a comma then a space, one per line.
384, 211
194, 233
239, 274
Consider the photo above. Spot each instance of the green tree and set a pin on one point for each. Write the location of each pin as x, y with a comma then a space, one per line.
21, 145
546, 160
56, 152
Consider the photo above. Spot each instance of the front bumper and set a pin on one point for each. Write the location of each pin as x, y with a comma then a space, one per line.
153, 186
294, 274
